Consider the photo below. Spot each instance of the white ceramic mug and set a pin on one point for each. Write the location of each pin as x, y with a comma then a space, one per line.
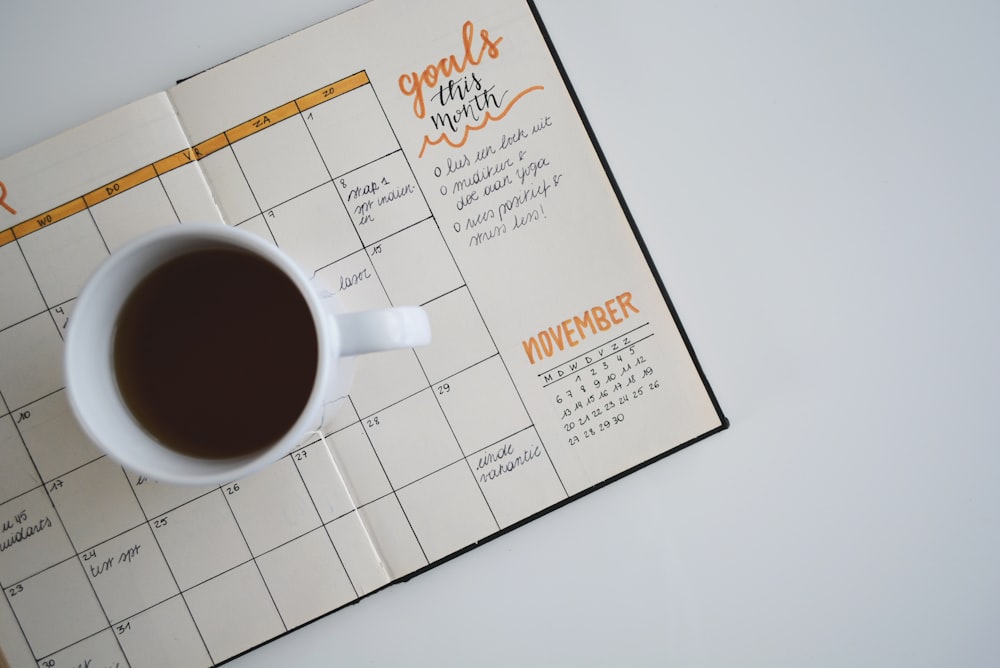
92, 388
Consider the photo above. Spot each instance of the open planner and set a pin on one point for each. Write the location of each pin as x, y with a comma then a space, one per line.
403, 153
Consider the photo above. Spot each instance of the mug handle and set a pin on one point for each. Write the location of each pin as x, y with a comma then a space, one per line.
383, 329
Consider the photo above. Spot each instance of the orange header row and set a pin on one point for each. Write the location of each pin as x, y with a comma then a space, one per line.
181, 158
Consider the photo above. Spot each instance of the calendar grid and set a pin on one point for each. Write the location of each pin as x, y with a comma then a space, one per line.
79, 550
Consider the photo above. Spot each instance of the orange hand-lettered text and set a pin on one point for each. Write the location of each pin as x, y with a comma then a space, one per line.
3, 199
570, 332
414, 84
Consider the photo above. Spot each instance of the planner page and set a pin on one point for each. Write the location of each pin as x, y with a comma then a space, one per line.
401, 153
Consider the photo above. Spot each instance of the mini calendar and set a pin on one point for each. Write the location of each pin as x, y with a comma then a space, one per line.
402, 153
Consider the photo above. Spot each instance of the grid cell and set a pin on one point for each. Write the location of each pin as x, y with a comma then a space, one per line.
234, 612
129, 573
382, 197
352, 282
351, 130
305, 578
313, 228
57, 608
447, 511
412, 439
189, 194
96, 503
482, 405
385, 379
415, 265
345, 458
53, 437
165, 630
200, 540
17, 475
229, 186
280, 163
517, 477
30, 360
272, 507
117, 220
460, 336
62, 256
32, 537
18, 294
376, 544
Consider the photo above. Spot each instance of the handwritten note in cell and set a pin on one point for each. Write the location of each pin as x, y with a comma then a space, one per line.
516, 476
383, 198
31, 538
129, 574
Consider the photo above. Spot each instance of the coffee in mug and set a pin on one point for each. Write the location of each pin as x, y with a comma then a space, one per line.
215, 353
200, 353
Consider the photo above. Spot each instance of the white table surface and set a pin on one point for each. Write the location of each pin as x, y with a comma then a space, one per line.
819, 185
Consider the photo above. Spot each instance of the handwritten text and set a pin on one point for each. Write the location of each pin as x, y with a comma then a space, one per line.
572, 331
502, 460
24, 533
414, 84
464, 100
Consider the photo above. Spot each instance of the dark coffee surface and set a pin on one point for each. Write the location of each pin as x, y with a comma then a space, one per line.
215, 353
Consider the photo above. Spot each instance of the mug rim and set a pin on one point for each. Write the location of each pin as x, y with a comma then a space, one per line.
186, 469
